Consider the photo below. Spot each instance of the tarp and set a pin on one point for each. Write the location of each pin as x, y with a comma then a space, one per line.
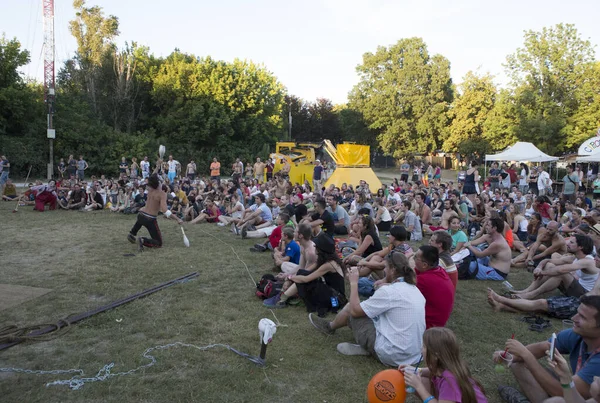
347, 154
521, 151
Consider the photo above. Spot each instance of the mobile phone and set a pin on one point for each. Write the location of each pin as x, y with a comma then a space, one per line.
552, 344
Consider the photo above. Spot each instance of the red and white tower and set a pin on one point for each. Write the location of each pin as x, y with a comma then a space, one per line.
49, 93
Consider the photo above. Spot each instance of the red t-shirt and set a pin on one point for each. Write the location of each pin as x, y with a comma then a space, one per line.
544, 210
436, 287
275, 236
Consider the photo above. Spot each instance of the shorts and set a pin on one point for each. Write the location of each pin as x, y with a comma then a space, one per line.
562, 307
486, 272
364, 332
404, 177
575, 289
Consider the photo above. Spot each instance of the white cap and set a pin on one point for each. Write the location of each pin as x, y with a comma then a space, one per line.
317, 161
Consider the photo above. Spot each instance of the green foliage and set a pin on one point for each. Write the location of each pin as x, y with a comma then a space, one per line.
469, 113
546, 75
405, 94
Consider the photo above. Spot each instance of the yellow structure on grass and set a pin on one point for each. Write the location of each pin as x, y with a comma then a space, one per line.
300, 156
353, 163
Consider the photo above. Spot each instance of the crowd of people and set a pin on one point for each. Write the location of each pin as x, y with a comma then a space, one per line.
400, 250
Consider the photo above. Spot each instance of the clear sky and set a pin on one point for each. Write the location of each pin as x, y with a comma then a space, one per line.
312, 46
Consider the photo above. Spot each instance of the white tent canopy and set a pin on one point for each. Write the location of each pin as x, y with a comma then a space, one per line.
521, 151
589, 158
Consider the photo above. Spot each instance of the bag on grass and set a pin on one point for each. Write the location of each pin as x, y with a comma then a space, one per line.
268, 287
464, 268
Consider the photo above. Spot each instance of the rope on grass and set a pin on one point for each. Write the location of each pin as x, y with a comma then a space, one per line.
234, 252
78, 381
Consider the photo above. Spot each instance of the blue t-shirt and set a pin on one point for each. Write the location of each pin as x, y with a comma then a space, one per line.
569, 342
293, 251
317, 172
265, 211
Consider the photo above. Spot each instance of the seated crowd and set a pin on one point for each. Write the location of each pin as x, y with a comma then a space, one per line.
401, 296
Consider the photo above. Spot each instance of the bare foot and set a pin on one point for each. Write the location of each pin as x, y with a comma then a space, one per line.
496, 306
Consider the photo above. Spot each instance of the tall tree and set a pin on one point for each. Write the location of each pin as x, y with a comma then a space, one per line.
584, 123
469, 113
405, 94
545, 74
22, 116
94, 34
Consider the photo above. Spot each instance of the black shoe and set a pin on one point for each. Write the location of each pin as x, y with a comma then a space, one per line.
244, 232
140, 242
131, 238
511, 395
254, 250
260, 247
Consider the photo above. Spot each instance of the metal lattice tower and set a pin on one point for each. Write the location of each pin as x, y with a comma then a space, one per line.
49, 93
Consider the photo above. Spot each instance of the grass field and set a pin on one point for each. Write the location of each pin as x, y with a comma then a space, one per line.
80, 256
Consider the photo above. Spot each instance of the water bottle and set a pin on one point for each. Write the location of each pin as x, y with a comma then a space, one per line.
473, 232
334, 302
508, 285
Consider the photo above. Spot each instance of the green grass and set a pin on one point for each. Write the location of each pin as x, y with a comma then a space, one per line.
80, 257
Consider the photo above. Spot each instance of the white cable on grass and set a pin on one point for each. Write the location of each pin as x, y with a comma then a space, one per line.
234, 252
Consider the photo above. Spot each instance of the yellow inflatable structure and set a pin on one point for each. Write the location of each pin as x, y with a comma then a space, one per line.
353, 164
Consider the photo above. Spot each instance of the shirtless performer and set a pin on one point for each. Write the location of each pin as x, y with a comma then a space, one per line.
447, 214
493, 261
548, 242
157, 201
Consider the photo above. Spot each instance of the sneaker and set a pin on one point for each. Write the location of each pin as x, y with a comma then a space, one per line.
220, 224
351, 349
236, 230
273, 301
140, 242
244, 233
260, 247
254, 250
511, 395
131, 238
322, 325
251, 228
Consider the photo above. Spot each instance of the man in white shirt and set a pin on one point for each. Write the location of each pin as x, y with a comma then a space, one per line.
173, 167
544, 182
390, 324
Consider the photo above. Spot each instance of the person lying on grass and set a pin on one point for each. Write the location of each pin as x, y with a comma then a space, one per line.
317, 286
446, 378
581, 343
390, 324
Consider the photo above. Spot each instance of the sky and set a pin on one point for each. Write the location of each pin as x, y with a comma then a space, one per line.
314, 46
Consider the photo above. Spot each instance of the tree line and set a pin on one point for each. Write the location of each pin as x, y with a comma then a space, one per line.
113, 102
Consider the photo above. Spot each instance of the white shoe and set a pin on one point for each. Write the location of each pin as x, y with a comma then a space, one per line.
220, 224
351, 349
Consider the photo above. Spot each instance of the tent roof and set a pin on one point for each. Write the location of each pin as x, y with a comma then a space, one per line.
589, 158
521, 151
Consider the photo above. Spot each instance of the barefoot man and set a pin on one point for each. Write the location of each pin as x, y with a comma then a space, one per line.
157, 201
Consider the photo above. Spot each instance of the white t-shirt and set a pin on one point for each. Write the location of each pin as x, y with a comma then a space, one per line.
145, 165
524, 179
543, 177
398, 313
173, 166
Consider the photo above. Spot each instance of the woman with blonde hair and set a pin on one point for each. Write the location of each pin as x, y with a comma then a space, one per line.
447, 377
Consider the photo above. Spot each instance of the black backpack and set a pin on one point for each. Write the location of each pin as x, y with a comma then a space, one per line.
463, 268
268, 287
